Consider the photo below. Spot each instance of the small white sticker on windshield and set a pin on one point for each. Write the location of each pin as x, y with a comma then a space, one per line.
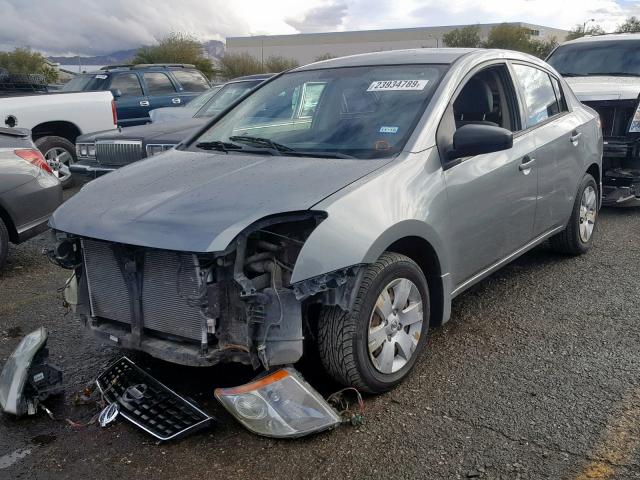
101, 77
388, 129
386, 85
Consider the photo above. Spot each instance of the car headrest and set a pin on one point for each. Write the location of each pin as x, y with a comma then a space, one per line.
475, 98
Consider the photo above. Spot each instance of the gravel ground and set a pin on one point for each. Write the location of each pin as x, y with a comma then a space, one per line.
535, 376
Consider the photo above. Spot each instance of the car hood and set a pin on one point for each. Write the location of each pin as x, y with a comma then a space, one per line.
176, 131
594, 88
198, 202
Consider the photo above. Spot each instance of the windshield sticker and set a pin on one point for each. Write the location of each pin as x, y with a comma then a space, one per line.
101, 77
389, 85
389, 129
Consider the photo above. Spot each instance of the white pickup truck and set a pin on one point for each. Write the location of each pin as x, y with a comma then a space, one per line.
56, 120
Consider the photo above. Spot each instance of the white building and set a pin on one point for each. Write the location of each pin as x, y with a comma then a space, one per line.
307, 47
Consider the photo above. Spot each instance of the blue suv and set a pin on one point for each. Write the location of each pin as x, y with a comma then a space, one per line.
138, 89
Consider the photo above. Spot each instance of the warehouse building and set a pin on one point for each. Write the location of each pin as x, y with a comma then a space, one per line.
307, 47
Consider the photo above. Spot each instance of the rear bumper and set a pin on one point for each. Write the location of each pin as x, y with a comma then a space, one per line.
89, 170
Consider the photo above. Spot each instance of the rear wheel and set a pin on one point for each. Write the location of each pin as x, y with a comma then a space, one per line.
4, 243
577, 238
375, 345
60, 154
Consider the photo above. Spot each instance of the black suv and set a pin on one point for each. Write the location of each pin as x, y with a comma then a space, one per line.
141, 88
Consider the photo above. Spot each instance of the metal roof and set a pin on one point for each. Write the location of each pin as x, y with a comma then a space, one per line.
604, 38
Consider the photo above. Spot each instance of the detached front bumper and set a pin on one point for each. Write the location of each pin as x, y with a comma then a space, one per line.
621, 166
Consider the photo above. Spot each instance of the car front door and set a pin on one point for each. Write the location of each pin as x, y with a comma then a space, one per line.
160, 90
492, 197
130, 103
558, 135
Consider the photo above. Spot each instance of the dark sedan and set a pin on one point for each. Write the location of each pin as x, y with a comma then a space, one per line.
102, 152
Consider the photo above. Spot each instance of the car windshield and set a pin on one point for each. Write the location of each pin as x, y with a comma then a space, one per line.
203, 98
85, 82
361, 112
226, 95
600, 57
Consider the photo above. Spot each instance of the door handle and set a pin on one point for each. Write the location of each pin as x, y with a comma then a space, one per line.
575, 136
144, 103
176, 100
527, 163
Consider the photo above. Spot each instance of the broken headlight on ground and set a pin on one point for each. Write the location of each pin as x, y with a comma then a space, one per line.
27, 378
279, 405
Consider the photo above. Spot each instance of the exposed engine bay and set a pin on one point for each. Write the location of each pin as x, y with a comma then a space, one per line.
200, 309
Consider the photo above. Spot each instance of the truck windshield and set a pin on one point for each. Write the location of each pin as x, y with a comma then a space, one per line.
603, 57
353, 112
85, 83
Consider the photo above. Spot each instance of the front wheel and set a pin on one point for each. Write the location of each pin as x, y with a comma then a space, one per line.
60, 154
577, 238
375, 345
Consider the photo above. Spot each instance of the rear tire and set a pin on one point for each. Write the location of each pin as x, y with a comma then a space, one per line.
54, 148
577, 238
366, 348
4, 243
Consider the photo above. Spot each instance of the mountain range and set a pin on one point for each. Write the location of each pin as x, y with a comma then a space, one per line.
212, 49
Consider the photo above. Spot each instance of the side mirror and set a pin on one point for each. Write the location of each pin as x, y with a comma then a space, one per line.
116, 93
470, 140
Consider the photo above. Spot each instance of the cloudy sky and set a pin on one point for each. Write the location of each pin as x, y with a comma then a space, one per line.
92, 27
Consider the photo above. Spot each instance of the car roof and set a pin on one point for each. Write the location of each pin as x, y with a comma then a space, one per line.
247, 78
142, 66
410, 56
604, 38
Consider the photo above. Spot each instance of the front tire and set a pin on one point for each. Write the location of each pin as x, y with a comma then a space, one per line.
60, 154
577, 238
375, 345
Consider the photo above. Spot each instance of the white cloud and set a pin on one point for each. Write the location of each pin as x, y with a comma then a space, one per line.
102, 26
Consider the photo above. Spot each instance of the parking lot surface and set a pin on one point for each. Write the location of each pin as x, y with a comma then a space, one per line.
535, 376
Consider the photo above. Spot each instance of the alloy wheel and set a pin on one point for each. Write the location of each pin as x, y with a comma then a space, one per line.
588, 212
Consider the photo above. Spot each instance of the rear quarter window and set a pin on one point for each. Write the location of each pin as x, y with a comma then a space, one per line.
191, 81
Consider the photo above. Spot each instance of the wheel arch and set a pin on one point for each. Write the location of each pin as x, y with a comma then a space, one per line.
11, 227
58, 128
594, 171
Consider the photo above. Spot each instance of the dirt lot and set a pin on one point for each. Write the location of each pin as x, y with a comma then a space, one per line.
535, 376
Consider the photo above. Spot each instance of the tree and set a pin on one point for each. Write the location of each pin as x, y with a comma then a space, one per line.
276, 64
23, 60
468, 37
631, 25
542, 48
176, 48
239, 64
324, 56
514, 37
580, 31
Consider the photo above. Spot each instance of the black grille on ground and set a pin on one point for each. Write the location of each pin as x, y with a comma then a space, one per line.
615, 115
149, 404
171, 284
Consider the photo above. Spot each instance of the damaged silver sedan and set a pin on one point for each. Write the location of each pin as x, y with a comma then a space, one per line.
340, 207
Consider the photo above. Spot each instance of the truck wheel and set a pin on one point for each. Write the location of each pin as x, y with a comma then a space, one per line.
59, 153
4, 243
577, 238
375, 345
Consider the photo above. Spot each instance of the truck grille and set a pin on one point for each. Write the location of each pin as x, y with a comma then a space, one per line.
118, 152
615, 116
170, 293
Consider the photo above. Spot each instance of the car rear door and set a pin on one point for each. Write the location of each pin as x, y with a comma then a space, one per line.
161, 90
558, 134
492, 197
132, 102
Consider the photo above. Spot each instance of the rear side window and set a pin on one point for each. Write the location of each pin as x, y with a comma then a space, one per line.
191, 81
539, 95
128, 84
158, 83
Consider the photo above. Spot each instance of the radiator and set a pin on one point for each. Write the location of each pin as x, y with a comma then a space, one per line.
171, 287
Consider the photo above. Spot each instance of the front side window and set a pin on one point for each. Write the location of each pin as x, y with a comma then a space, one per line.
128, 84
361, 112
158, 83
539, 96
191, 81
86, 83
